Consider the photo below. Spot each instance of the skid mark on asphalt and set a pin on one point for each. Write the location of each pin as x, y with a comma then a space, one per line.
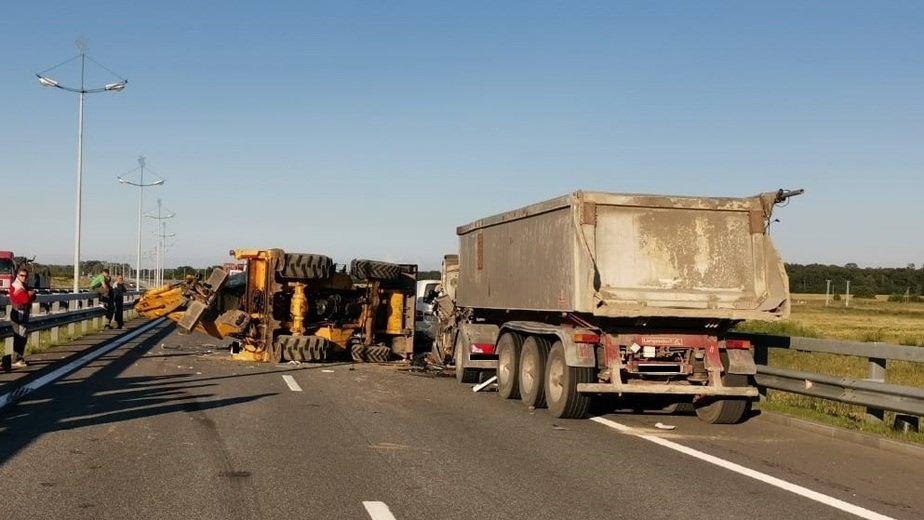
737, 468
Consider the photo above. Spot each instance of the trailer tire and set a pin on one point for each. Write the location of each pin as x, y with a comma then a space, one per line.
508, 350
561, 395
683, 407
374, 270
463, 375
533, 356
301, 266
729, 410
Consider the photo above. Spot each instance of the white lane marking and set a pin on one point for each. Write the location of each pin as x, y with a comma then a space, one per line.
378, 511
54, 375
290, 381
763, 477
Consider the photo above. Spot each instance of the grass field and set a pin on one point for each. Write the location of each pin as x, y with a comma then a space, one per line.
900, 323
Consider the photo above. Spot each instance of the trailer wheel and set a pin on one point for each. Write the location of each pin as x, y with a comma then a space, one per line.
681, 407
302, 266
508, 364
561, 382
725, 410
463, 375
533, 356
374, 270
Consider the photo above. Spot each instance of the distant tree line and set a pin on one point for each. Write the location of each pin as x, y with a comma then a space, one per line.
866, 282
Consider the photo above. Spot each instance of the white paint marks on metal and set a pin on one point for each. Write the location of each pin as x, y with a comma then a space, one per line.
378, 511
480, 387
290, 382
747, 472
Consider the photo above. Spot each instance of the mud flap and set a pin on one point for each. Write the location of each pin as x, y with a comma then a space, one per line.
741, 362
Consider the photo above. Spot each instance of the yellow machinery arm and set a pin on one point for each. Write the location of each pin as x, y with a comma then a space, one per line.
187, 303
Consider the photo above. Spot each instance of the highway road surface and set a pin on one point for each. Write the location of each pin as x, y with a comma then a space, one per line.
165, 426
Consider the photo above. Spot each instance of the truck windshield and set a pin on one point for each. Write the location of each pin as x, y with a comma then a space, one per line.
6, 266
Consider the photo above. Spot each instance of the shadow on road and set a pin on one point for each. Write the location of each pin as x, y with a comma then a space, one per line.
105, 397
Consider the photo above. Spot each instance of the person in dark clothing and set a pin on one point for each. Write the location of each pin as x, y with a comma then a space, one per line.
21, 298
118, 299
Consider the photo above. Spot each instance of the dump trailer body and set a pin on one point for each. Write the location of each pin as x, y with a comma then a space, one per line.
626, 255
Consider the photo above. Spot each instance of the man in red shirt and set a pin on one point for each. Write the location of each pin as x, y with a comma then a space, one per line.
21, 298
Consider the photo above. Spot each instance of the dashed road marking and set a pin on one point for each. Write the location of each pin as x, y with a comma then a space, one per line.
378, 511
737, 468
290, 381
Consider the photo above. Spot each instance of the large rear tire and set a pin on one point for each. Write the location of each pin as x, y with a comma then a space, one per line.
463, 375
561, 395
508, 364
729, 410
533, 357
301, 266
374, 270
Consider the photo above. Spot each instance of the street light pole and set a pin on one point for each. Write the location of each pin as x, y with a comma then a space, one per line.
141, 186
111, 87
160, 218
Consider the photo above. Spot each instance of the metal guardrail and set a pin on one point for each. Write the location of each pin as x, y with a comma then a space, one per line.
872, 392
53, 311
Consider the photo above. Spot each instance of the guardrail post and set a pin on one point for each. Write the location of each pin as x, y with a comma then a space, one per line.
877, 373
55, 308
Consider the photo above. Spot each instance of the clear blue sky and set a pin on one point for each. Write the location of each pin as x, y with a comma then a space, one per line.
374, 128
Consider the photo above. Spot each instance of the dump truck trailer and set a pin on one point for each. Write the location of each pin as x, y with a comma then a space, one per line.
297, 307
607, 293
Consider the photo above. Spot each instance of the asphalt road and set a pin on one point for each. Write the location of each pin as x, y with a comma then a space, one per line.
165, 426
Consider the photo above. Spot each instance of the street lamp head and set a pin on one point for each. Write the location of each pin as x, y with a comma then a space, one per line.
47, 82
158, 183
116, 87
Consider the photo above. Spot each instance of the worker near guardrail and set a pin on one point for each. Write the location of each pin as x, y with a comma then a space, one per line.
102, 284
21, 298
118, 300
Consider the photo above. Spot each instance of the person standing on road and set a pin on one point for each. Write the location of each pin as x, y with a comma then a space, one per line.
21, 298
118, 299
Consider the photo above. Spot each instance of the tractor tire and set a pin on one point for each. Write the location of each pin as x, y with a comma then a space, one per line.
358, 352
374, 270
301, 266
378, 354
313, 349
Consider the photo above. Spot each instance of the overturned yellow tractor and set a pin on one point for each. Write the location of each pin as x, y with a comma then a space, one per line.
297, 306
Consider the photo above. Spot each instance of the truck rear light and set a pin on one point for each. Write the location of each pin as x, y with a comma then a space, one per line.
481, 348
737, 343
584, 337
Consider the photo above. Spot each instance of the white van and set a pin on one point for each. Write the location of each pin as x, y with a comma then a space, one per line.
423, 310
